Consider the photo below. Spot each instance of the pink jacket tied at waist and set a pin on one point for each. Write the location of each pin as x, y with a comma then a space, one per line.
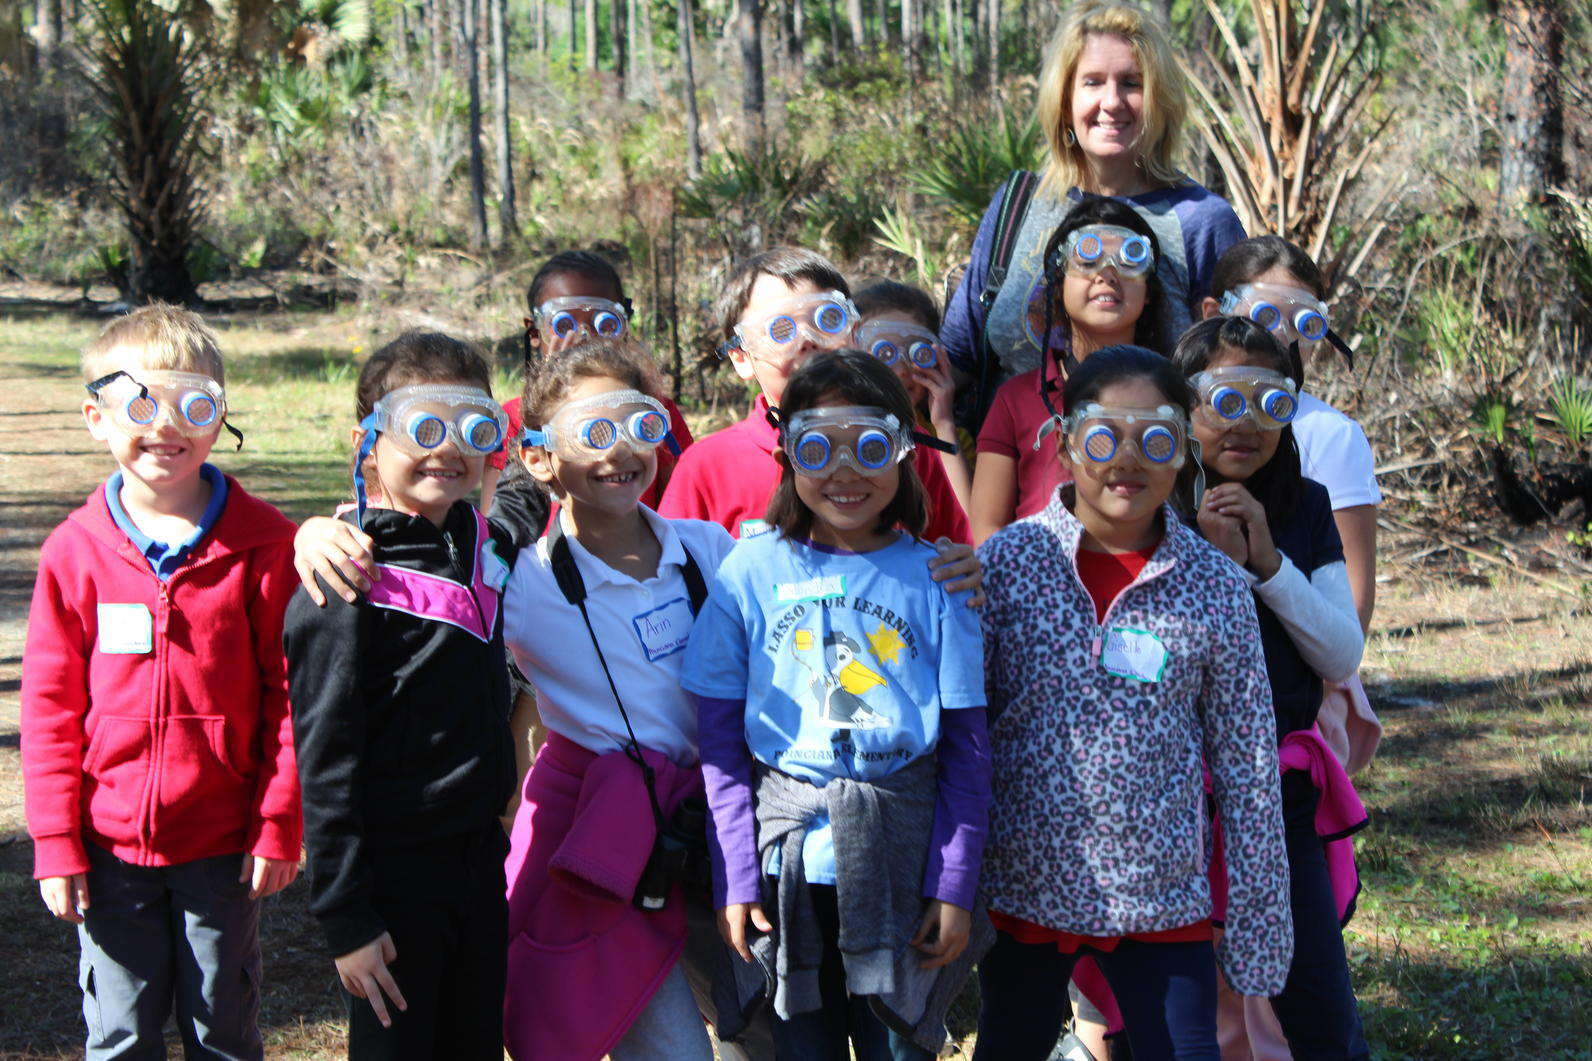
583, 962
1339, 815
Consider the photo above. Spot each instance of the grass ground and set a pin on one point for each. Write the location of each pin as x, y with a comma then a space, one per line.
1475, 923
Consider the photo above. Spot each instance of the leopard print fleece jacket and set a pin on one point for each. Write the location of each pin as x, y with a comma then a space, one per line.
1099, 823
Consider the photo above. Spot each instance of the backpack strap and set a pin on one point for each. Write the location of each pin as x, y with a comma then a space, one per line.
1016, 195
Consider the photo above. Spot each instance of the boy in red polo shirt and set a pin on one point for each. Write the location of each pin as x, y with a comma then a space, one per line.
157, 752
778, 308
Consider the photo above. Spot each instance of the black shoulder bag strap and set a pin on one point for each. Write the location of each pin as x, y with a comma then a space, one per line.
567, 574
1015, 198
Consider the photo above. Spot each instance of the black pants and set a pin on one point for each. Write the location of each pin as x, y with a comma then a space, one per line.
1166, 991
1316, 1009
444, 904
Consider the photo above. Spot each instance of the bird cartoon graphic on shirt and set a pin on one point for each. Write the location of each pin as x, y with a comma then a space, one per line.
839, 680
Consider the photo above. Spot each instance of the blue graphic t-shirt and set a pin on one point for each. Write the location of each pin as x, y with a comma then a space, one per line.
845, 660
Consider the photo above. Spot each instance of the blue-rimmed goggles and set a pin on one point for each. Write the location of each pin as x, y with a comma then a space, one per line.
897, 343
588, 429
867, 439
1092, 248
1098, 434
826, 319
1290, 313
420, 418
192, 404
1228, 396
573, 315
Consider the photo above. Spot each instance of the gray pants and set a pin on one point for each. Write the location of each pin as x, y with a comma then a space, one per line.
154, 936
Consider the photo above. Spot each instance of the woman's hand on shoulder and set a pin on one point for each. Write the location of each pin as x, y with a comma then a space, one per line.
958, 567
943, 933
1233, 502
337, 551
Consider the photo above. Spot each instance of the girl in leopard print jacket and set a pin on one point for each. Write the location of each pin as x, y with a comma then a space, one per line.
1122, 655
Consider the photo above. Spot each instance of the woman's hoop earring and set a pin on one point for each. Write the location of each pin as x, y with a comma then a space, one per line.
1068, 138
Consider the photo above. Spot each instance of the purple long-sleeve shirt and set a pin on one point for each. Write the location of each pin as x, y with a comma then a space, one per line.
1192, 224
961, 813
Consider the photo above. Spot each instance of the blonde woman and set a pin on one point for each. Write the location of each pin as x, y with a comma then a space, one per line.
1112, 105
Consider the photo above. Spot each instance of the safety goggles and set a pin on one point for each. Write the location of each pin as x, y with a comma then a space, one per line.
1229, 395
1098, 434
1091, 249
561, 318
194, 405
864, 438
1289, 311
826, 319
589, 429
421, 418
897, 343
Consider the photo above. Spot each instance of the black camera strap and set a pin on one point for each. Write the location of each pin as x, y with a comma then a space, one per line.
567, 574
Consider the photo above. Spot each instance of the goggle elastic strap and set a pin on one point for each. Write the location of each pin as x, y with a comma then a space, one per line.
367, 446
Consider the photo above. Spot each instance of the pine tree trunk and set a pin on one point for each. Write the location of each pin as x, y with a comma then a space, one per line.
649, 57
749, 29
994, 8
507, 221
1531, 106
953, 34
574, 25
616, 20
466, 25
693, 124
859, 34
834, 33
541, 29
591, 35
798, 35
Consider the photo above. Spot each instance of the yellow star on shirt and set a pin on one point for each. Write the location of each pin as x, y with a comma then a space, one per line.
886, 644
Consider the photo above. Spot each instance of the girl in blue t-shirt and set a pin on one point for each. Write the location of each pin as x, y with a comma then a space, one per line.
1277, 526
841, 721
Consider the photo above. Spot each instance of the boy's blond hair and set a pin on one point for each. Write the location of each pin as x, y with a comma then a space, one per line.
167, 338
1165, 105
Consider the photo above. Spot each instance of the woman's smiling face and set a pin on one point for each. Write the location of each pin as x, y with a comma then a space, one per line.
1107, 98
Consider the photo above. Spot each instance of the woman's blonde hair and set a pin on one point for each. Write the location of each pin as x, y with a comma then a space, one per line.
1164, 102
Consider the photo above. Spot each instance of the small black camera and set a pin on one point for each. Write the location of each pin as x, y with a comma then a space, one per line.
677, 853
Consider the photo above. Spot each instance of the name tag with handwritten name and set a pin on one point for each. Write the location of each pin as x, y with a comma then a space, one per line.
664, 630
125, 629
1135, 654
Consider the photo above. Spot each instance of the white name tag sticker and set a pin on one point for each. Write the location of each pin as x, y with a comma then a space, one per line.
125, 629
664, 630
821, 587
1135, 654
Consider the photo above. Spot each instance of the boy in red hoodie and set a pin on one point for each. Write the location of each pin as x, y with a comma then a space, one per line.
157, 751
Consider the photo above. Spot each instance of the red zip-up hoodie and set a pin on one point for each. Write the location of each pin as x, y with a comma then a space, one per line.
179, 749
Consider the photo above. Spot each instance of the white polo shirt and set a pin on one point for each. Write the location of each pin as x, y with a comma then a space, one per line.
643, 628
1334, 451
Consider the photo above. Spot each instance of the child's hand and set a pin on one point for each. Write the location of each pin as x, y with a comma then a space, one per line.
67, 897
1236, 503
941, 391
1224, 532
340, 553
732, 925
943, 934
365, 975
267, 876
960, 563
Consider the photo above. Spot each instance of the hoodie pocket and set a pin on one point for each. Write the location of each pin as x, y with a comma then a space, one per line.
197, 782
117, 766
